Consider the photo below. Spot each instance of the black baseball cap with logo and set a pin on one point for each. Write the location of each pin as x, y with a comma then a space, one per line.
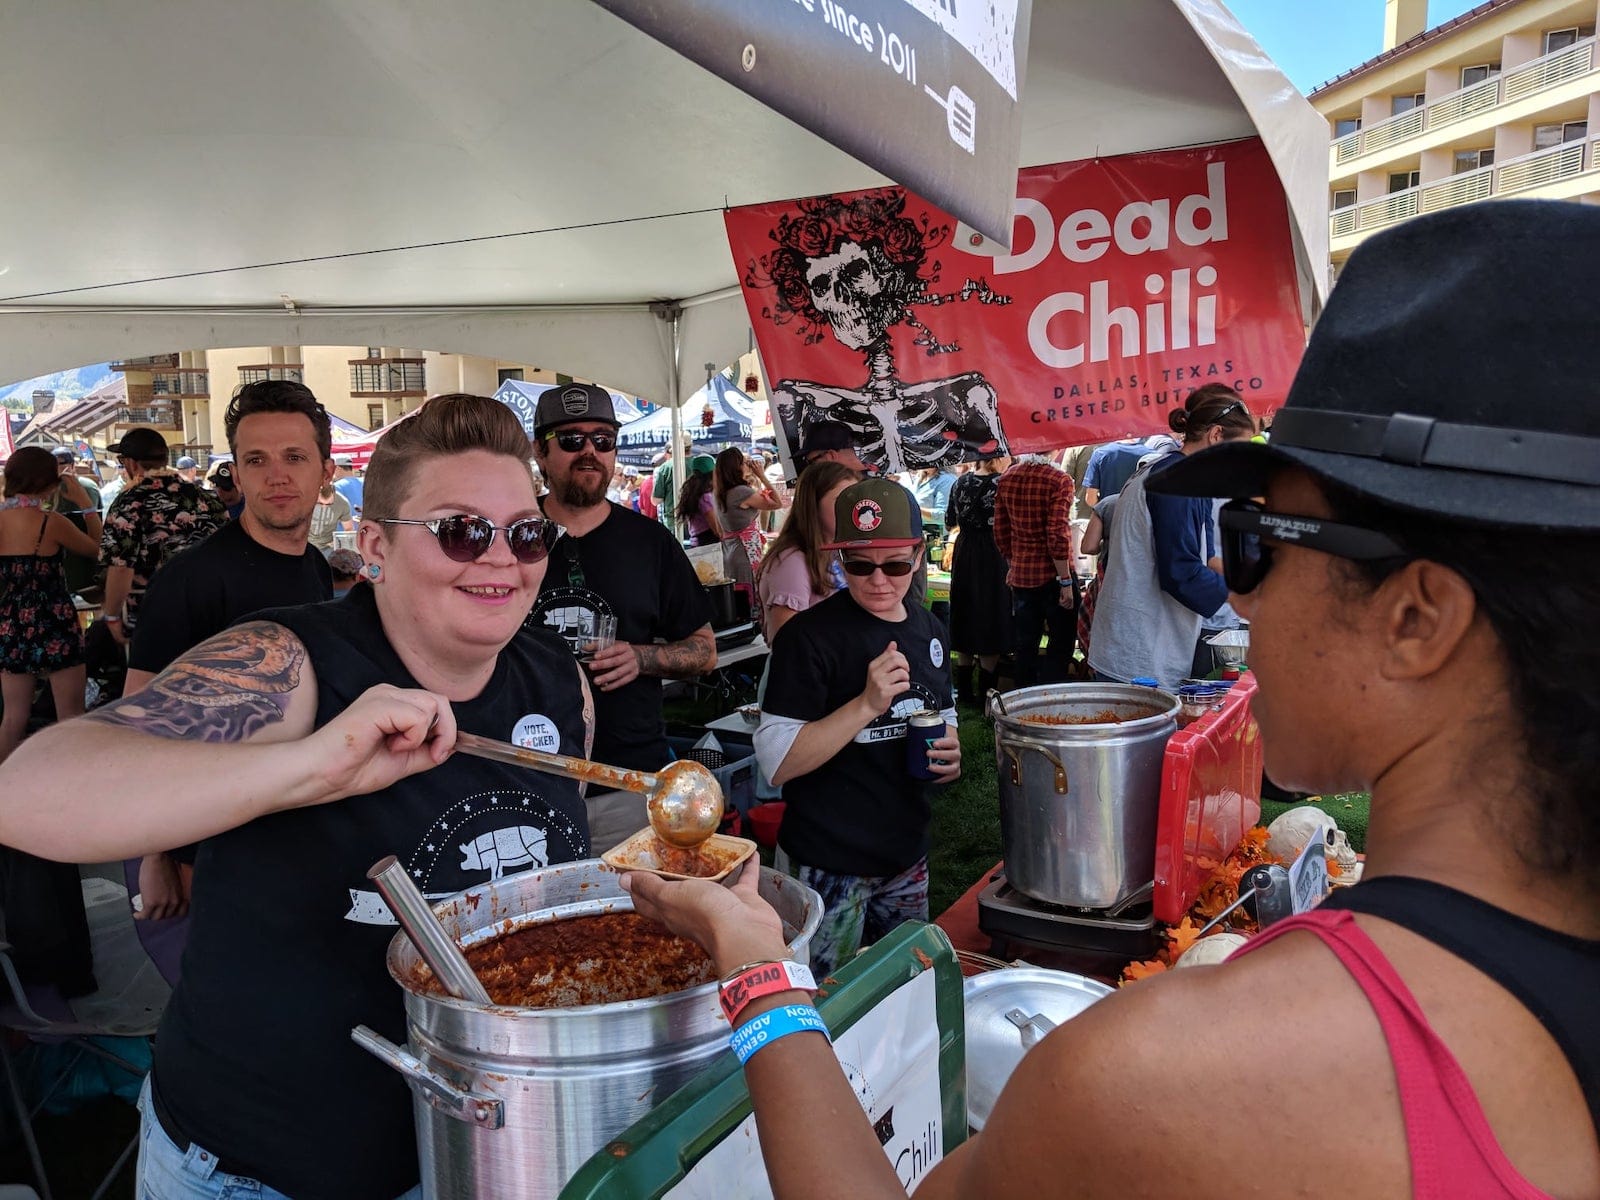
143, 445
875, 514
569, 402
222, 477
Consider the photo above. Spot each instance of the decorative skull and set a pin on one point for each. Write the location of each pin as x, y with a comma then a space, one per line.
1293, 831
1340, 850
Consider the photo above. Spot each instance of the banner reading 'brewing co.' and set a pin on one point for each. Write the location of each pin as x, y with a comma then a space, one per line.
1132, 281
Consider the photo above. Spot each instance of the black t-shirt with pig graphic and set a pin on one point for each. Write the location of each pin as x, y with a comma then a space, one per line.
287, 942
860, 813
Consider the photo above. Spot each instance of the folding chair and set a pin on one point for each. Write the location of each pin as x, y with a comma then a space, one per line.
129, 1003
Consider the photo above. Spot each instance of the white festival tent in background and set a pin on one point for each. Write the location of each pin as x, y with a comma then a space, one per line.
532, 182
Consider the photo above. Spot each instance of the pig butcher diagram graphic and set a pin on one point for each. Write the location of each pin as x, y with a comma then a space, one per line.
481, 838
494, 851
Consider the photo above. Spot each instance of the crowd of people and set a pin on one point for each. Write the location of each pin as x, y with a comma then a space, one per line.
517, 587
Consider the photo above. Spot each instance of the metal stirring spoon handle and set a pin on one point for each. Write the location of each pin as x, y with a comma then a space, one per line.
581, 769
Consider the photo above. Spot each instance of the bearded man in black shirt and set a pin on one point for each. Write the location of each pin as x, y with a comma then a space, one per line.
612, 562
282, 442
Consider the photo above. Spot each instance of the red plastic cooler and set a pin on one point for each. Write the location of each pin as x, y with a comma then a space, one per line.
1210, 794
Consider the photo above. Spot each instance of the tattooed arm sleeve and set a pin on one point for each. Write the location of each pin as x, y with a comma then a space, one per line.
227, 689
694, 655
174, 782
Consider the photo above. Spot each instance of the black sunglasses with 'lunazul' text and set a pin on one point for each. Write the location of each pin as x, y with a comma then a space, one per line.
1249, 531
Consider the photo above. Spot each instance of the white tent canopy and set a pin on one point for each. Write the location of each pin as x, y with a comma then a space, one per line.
188, 174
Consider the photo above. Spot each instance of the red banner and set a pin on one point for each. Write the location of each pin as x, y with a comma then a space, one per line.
1132, 281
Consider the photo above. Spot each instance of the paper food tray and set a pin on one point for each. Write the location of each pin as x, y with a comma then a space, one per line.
642, 852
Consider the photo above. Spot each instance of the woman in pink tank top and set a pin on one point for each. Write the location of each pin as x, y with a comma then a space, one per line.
1418, 553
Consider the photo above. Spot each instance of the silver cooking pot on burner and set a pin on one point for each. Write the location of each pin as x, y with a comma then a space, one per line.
1079, 766
512, 1101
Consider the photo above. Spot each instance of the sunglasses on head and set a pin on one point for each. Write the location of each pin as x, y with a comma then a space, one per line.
1249, 532
895, 569
572, 441
467, 537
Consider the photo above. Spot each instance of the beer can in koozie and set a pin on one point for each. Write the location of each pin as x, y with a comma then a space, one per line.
922, 730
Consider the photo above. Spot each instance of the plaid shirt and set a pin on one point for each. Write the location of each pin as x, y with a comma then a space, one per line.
1033, 522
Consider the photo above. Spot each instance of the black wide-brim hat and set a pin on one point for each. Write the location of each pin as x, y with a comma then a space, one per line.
1453, 373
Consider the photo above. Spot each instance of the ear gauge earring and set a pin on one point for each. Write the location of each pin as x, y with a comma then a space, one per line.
374, 571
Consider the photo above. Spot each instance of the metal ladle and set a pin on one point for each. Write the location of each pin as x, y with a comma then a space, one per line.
683, 799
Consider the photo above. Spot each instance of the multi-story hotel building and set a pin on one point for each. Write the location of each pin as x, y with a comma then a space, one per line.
1502, 101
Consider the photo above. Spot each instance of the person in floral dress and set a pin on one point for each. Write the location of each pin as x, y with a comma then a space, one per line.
39, 634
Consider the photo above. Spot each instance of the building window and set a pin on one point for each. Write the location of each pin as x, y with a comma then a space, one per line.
374, 351
374, 416
1546, 136
562, 380
1400, 104
1477, 74
1471, 160
1344, 197
1345, 126
506, 373
1399, 181
1560, 39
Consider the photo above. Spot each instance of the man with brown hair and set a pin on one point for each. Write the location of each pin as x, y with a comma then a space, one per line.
280, 436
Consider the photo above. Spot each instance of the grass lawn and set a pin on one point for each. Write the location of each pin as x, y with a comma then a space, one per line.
966, 817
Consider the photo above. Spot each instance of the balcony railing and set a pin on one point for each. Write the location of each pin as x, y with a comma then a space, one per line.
387, 377
190, 384
1396, 129
1502, 179
1548, 71
1530, 78
160, 416
261, 372
148, 362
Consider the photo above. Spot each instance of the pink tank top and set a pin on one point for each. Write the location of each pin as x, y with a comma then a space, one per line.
1453, 1150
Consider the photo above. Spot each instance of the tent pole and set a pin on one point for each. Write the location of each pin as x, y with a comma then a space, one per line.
674, 314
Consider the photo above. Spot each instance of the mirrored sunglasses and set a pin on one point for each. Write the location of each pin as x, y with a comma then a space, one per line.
1249, 532
572, 441
467, 537
895, 569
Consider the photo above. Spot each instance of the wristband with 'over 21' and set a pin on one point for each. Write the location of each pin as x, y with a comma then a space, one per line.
755, 980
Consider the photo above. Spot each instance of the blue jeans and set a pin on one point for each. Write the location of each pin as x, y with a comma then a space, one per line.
167, 1173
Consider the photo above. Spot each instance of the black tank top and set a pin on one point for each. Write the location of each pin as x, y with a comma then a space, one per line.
288, 937
1554, 975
